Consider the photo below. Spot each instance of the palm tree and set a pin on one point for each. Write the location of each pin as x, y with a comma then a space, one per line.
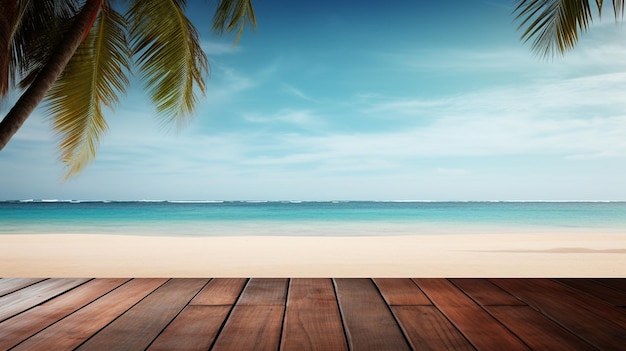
554, 25
81, 67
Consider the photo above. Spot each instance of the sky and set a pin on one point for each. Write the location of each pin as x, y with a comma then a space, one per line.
368, 100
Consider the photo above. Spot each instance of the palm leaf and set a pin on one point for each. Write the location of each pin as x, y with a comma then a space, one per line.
29, 32
231, 14
169, 57
554, 25
95, 76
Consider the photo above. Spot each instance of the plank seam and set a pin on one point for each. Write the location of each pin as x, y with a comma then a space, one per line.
230, 311
583, 292
282, 323
46, 300
121, 314
491, 315
393, 315
177, 314
341, 315
548, 316
26, 286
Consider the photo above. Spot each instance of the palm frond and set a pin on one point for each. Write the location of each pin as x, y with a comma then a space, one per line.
554, 24
618, 8
169, 57
32, 30
95, 76
232, 14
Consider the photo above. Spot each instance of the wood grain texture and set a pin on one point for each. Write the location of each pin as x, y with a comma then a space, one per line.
264, 292
251, 327
368, 321
312, 320
563, 307
28, 297
401, 291
323, 314
537, 331
619, 284
428, 329
485, 293
480, 328
73, 330
24, 325
9, 285
220, 291
605, 293
194, 329
140, 325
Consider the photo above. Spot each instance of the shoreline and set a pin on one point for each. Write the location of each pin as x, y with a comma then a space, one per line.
452, 255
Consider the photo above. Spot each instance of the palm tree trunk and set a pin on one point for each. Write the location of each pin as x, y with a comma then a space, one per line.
35, 93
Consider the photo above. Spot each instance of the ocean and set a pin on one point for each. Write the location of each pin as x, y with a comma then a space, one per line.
307, 218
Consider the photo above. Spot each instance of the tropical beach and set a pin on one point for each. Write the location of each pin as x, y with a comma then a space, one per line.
516, 255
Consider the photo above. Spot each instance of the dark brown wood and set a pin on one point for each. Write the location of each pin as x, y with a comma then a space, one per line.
23, 299
71, 331
9, 285
140, 325
312, 320
561, 306
368, 321
251, 327
605, 293
220, 291
301, 314
403, 291
427, 329
480, 328
22, 326
485, 293
619, 284
194, 329
264, 292
537, 331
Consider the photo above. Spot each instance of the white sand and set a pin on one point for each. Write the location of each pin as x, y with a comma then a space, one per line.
488, 255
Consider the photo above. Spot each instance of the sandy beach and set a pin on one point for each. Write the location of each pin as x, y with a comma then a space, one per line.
468, 255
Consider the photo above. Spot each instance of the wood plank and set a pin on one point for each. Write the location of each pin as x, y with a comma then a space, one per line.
9, 285
140, 325
485, 293
251, 327
428, 329
264, 292
24, 299
580, 300
71, 331
401, 292
24, 325
605, 293
615, 283
368, 321
194, 329
312, 320
559, 305
220, 291
480, 328
537, 331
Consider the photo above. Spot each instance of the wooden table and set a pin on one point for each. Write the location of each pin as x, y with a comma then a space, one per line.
312, 314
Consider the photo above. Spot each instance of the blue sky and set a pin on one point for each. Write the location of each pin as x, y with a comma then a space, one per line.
367, 100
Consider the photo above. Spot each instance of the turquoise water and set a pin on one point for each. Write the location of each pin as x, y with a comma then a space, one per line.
308, 218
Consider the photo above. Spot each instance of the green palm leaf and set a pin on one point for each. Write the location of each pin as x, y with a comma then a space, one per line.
95, 76
554, 25
231, 14
170, 60
29, 31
